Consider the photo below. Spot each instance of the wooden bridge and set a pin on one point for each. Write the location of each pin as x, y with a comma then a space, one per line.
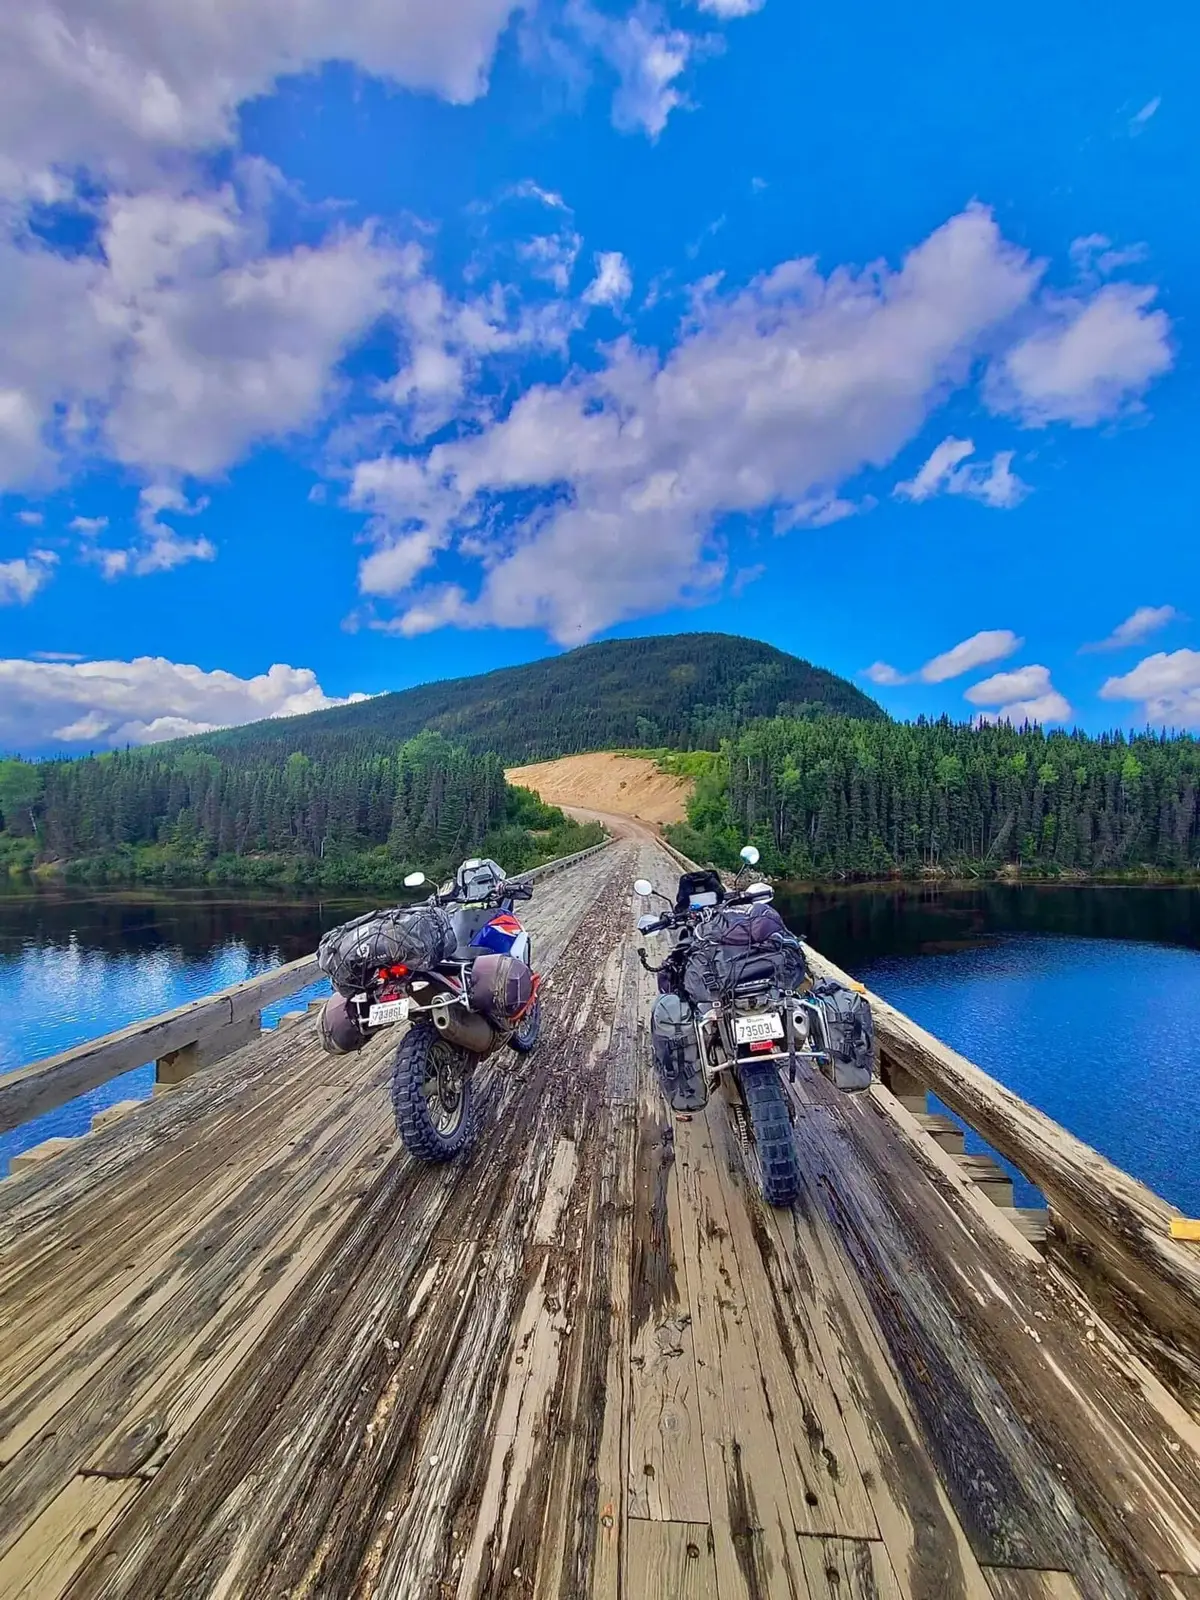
248, 1348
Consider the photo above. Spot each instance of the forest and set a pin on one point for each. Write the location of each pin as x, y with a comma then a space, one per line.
361, 818
839, 798
686, 690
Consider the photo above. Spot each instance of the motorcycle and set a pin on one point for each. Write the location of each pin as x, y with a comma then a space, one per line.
735, 1009
458, 969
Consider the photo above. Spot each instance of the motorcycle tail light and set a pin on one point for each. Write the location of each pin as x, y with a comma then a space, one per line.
761, 1047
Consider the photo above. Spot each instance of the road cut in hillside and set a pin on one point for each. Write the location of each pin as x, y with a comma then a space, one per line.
626, 786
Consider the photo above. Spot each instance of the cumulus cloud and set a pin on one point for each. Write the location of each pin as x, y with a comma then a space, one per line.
1136, 627
1092, 360
21, 579
31, 519
184, 343
945, 473
990, 645
88, 527
142, 701
113, 84
614, 482
1024, 695
1168, 686
612, 284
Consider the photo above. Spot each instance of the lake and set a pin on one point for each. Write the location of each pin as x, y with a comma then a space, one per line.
1085, 999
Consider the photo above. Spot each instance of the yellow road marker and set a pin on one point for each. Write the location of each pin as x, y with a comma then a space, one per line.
1186, 1228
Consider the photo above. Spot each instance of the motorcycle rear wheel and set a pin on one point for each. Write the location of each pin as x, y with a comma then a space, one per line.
776, 1167
528, 1034
433, 1096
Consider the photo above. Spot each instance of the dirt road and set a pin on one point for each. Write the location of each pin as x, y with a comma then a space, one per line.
604, 785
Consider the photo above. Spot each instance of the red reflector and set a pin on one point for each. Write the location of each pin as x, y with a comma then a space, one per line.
400, 971
762, 1046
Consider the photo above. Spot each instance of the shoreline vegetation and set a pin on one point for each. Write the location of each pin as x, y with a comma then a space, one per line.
359, 820
828, 799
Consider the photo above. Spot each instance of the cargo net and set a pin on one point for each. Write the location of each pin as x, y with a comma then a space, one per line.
418, 937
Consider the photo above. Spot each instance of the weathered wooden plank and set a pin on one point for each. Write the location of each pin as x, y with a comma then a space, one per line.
1180, 1586
1015, 1583
927, 1546
825, 1486
45, 1085
670, 1561
848, 1569
42, 1561
666, 1480
996, 1363
1115, 1231
752, 1515
104, 1259
56, 1425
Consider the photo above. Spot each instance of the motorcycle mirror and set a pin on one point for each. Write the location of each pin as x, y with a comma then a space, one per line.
749, 854
643, 886
414, 880
761, 891
645, 924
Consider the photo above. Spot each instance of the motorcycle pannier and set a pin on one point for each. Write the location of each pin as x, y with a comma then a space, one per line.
851, 1031
418, 937
677, 1054
501, 988
338, 1028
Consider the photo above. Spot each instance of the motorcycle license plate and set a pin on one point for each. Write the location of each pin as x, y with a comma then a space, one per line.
747, 1029
387, 1011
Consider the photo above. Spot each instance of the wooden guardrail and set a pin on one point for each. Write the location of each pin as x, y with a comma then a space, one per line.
179, 1042
1109, 1230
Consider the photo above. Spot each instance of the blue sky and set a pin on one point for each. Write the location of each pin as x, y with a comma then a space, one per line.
344, 346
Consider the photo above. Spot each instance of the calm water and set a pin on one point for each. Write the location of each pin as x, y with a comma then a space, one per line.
1084, 1000
74, 966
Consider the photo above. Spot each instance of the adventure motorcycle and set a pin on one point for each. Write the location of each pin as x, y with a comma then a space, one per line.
458, 969
736, 1005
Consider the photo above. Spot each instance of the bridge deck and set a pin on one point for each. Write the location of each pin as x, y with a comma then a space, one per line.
248, 1348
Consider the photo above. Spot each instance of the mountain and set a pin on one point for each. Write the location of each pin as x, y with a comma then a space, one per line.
684, 691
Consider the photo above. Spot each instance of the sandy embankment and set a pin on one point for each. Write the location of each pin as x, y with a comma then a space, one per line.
608, 785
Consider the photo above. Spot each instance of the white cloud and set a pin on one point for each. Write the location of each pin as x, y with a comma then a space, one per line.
21, 579
648, 56
1024, 695
888, 677
931, 478
612, 284
774, 396
141, 701
1140, 118
1168, 685
727, 9
113, 84
945, 473
185, 345
1092, 360
990, 645
977, 651
55, 655
31, 519
1136, 627
88, 527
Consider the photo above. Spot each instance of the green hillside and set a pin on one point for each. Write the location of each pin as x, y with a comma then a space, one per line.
683, 691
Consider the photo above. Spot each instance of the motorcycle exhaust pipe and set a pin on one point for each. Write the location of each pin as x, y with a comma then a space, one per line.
466, 1029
